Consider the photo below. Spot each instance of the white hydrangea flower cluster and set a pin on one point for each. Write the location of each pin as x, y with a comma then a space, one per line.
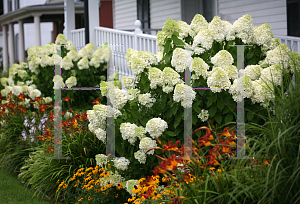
71, 81
149, 57
60, 39
280, 55
50, 49
16, 90
140, 132
272, 74
156, 126
253, 71
83, 63
294, 62
103, 52
204, 38
67, 63
57, 59
128, 82
73, 56
58, 82
241, 88
231, 72
160, 40
218, 80
184, 94
203, 115
121, 163
133, 93
70, 46
140, 156
263, 93
34, 93
229, 36
120, 97
47, 61
113, 178
155, 77
181, 59
147, 143
243, 29
87, 51
129, 185
198, 23
34, 64
146, 100
263, 35
95, 62
100, 134
184, 29
199, 67
128, 132
101, 160
136, 64
170, 77
218, 29
222, 59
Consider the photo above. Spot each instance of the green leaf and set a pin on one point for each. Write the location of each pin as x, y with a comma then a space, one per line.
135, 113
167, 46
228, 118
195, 119
220, 104
218, 117
212, 111
209, 101
250, 116
172, 134
144, 121
177, 120
226, 110
196, 108
250, 54
174, 109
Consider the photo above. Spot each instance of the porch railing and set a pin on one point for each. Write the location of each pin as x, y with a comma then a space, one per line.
292, 42
78, 38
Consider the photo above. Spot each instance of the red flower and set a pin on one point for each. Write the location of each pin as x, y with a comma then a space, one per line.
67, 99
169, 147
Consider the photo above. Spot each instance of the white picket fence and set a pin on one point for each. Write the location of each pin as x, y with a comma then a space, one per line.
292, 42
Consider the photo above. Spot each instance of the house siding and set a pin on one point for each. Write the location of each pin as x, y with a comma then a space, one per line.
161, 10
267, 11
24, 3
124, 14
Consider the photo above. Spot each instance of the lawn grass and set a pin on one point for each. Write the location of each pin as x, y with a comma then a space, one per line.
12, 191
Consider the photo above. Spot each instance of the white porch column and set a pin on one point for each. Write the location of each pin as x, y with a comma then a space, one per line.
5, 48
11, 44
37, 30
93, 19
21, 42
69, 18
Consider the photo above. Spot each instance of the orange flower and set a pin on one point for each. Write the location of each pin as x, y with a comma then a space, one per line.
96, 101
170, 147
67, 99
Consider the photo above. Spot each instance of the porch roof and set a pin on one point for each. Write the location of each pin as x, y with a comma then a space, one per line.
48, 12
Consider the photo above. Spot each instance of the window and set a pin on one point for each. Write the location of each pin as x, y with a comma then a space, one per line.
189, 8
17, 4
9, 5
293, 17
143, 13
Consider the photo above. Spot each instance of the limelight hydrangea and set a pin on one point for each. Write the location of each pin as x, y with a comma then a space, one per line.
203, 115
34, 93
20, 83
198, 23
204, 38
137, 65
294, 61
280, 55
22, 74
222, 59
71, 81
185, 94
128, 82
140, 132
167, 89
83, 63
253, 71
70, 46
95, 62
121, 163
149, 57
241, 88
103, 88
34, 64
60, 39
232, 72
128, 132
155, 77
4, 81
140, 156
170, 76
73, 55
146, 100
160, 40
120, 97
243, 28
134, 93
272, 74
67, 63
16, 90
263, 92
47, 61
159, 56
49, 49
129, 185
101, 160
58, 82
218, 29
199, 67
47, 100
184, 29
147, 143
263, 35
181, 59
218, 79
156, 126
57, 59
103, 52
170, 27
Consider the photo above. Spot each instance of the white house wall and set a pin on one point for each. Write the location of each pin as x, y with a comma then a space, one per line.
24, 3
266, 11
124, 14
46, 37
160, 10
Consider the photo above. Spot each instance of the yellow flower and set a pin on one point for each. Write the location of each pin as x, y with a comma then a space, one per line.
117, 195
120, 186
65, 186
57, 181
103, 188
80, 199
89, 198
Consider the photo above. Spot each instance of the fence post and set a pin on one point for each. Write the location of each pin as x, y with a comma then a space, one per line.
137, 30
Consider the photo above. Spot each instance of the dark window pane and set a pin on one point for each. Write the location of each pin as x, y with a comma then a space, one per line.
293, 18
